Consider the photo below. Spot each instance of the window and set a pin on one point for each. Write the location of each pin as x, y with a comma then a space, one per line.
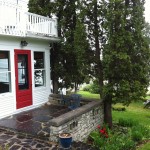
39, 69
5, 73
23, 77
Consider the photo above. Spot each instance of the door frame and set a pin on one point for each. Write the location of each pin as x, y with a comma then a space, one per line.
27, 93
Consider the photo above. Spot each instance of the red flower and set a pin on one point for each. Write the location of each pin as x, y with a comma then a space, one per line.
98, 126
102, 131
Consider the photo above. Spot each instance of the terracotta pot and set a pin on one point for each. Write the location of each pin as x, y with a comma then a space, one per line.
65, 140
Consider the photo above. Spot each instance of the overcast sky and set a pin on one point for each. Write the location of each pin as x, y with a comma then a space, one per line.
147, 10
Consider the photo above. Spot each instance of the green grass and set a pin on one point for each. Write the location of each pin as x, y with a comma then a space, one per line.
134, 111
147, 97
88, 95
145, 146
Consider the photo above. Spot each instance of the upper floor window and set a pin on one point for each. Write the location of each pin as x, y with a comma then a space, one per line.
5, 73
39, 69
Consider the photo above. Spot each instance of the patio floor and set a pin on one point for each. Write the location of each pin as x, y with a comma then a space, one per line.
30, 130
13, 141
34, 122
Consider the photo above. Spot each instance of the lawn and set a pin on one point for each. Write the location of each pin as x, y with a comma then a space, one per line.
88, 95
134, 111
145, 146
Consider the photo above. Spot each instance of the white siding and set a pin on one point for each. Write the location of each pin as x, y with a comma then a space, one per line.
6, 104
40, 94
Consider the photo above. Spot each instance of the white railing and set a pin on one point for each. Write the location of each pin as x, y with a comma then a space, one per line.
41, 25
14, 20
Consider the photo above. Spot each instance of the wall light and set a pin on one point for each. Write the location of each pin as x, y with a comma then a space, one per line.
24, 43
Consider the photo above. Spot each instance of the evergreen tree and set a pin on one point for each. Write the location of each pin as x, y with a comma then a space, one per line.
146, 32
64, 56
127, 55
41, 7
115, 31
83, 53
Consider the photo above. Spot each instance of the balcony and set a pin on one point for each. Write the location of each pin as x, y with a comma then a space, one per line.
16, 21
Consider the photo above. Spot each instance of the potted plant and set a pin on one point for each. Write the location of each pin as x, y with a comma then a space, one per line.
65, 139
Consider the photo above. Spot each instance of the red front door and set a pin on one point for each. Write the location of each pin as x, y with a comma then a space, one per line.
23, 78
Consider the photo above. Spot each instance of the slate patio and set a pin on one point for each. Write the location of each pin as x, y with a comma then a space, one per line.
30, 130
10, 140
34, 122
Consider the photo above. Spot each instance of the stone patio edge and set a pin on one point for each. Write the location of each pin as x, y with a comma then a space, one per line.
58, 121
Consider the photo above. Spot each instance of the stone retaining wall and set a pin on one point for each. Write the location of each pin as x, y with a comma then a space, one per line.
79, 122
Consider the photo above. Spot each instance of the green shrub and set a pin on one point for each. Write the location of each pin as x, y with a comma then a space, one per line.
94, 88
139, 132
128, 144
97, 140
123, 142
115, 141
136, 136
124, 137
119, 108
127, 122
87, 88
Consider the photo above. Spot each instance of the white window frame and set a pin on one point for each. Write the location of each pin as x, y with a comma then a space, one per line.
41, 69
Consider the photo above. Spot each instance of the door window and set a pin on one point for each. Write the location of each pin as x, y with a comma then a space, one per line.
23, 78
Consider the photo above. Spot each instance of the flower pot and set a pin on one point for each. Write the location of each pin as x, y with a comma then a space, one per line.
65, 140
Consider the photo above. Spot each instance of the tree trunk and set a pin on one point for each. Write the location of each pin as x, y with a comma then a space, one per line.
76, 87
55, 86
108, 111
98, 66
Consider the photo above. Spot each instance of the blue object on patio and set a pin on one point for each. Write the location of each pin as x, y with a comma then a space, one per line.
75, 101
65, 140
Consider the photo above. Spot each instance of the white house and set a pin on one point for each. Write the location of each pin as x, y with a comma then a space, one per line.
24, 57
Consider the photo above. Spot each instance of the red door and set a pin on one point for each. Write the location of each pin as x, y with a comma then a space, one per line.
23, 78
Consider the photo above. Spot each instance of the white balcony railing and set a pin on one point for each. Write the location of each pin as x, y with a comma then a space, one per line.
15, 20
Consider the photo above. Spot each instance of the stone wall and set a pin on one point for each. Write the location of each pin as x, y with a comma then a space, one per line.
79, 122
